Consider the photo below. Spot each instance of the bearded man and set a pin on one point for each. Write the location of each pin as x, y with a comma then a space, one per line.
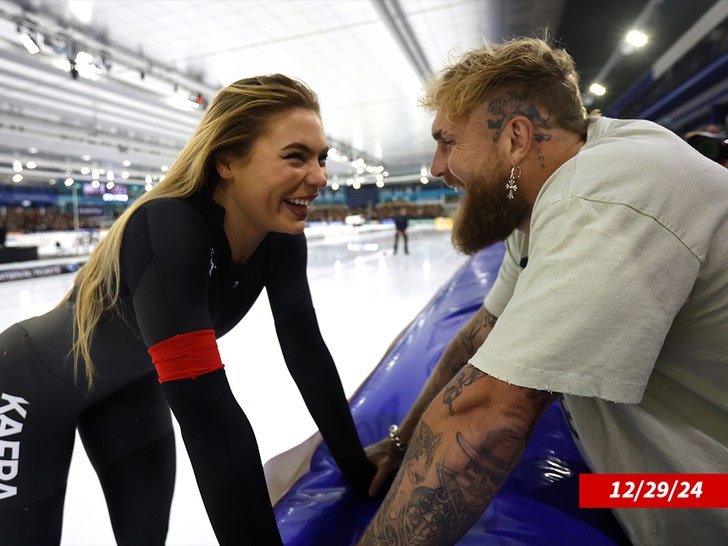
612, 297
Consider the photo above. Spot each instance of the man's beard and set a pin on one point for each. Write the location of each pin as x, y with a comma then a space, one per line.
486, 215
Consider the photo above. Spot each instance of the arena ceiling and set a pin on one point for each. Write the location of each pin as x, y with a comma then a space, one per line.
366, 59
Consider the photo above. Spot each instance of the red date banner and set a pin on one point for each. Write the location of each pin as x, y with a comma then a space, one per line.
653, 490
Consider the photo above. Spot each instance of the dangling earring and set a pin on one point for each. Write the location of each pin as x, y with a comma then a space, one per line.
511, 184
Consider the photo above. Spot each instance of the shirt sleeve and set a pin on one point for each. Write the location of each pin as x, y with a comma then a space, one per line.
511, 267
590, 312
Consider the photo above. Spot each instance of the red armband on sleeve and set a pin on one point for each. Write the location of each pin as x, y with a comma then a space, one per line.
186, 356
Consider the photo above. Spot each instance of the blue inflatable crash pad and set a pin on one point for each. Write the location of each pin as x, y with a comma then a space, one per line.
538, 503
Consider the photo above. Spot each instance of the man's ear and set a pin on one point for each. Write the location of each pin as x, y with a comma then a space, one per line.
521, 138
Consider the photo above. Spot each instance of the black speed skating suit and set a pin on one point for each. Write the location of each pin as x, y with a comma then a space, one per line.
177, 277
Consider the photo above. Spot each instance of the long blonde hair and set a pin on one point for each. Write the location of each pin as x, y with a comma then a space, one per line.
234, 120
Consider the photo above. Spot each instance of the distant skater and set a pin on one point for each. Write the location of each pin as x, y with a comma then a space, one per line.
400, 223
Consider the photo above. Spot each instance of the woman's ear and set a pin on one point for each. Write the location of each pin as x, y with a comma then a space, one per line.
223, 165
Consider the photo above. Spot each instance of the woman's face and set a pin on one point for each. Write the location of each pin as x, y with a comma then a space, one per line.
273, 187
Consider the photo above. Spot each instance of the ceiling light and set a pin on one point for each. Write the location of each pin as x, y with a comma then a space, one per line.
17, 166
85, 65
182, 102
29, 42
198, 99
84, 58
597, 89
17, 177
636, 38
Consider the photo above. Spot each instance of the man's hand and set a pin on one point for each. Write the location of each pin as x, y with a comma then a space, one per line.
384, 454
463, 449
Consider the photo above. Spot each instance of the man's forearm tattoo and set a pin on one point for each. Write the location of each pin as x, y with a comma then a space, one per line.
442, 512
469, 338
466, 377
389, 528
488, 320
422, 453
506, 108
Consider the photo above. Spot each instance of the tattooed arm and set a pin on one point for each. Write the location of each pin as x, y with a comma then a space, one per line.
384, 454
463, 449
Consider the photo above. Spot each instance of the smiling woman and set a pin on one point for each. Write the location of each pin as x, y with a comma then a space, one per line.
288, 165
179, 269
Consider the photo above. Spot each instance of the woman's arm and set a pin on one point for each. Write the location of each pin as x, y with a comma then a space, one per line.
311, 365
224, 454
312, 368
165, 260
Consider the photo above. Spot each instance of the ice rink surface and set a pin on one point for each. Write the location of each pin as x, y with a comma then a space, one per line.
364, 297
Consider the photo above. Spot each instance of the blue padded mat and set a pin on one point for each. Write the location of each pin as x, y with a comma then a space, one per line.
538, 503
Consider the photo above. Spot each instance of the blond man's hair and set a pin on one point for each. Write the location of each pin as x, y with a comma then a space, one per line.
528, 67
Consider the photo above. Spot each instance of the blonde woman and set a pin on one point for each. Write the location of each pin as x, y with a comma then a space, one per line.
137, 333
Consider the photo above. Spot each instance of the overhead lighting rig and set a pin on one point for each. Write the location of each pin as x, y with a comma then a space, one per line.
363, 171
84, 57
27, 36
78, 54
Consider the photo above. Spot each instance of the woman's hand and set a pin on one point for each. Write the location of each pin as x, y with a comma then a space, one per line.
387, 458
